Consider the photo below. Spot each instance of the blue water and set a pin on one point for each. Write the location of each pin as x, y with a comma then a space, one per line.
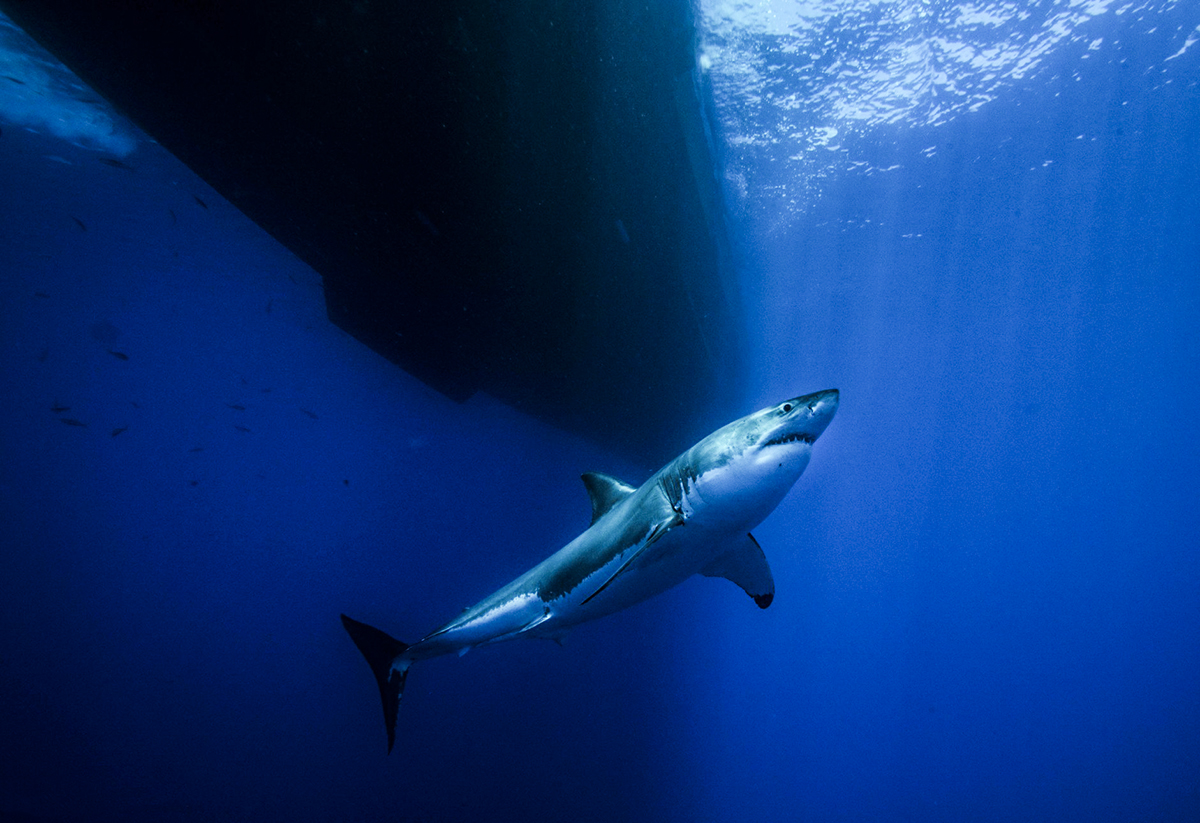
988, 580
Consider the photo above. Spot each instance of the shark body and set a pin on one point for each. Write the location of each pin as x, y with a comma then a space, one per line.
693, 516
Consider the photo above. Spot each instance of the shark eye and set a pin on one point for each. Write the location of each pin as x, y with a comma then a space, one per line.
786, 407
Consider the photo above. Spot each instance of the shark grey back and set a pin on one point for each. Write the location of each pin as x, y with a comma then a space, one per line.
694, 516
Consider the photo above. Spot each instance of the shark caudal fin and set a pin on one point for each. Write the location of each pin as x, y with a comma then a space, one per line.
381, 650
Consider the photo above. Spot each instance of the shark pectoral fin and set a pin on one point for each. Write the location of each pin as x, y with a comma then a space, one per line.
746, 565
656, 533
614, 575
605, 492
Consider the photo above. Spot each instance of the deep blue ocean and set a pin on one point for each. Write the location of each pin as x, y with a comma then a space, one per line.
980, 223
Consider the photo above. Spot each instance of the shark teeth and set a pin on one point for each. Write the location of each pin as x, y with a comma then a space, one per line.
790, 438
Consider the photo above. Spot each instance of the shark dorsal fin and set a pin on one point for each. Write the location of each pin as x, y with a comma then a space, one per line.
605, 492
746, 565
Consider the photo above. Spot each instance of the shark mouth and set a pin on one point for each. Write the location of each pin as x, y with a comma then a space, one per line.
790, 438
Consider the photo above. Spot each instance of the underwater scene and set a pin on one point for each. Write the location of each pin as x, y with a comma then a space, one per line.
972, 230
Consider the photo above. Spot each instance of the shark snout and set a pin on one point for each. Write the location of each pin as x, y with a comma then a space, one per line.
814, 411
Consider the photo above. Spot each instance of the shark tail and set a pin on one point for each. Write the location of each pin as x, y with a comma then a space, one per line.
381, 651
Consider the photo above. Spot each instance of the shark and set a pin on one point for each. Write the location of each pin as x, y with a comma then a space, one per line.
694, 516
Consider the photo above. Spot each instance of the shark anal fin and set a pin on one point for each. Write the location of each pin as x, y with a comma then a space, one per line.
380, 649
660, 529
746, 565
605, 492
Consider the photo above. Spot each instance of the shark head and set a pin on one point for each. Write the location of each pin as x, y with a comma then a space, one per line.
742, 471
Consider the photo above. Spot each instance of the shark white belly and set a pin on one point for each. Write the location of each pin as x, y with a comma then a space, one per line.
693, 516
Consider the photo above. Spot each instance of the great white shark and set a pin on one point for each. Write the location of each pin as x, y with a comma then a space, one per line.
693, 516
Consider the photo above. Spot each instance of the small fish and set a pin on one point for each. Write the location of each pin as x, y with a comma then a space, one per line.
115, 163
80, 223
43, 355
13, 79
134, 403
310, 414
200, 202
174, 219
41, 294
193, 482
242, 429
120, 355
57, 409
267, 390
195, 449
115, 432
236, 406
71, 421
270, 303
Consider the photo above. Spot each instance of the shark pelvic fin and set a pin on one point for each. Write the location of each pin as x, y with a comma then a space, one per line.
605, 492
381, 651
746, 565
